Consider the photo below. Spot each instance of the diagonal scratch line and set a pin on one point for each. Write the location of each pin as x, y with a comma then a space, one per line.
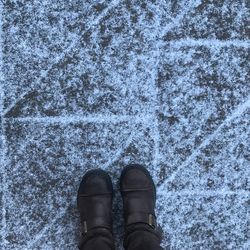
121, 150
60, 57
199, 192
30, 244
236, 113
214, 43
101, 118
177, 20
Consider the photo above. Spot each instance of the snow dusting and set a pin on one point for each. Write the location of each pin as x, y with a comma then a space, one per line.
101, 84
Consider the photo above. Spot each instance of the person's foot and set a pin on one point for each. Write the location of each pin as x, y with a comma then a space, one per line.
139, 196
94, 201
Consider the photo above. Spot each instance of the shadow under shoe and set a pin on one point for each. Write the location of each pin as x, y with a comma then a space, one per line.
94, 202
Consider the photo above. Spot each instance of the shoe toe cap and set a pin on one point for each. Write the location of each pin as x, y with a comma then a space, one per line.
135, 177
95, 182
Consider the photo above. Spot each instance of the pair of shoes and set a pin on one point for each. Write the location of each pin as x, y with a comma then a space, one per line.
94, 199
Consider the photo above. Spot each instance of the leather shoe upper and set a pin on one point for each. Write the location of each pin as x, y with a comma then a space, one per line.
139, 195
94, 200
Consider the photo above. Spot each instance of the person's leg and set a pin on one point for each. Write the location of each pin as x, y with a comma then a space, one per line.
94, 201
139, 197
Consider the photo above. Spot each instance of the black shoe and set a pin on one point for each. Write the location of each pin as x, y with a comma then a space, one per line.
94, 201
139, 196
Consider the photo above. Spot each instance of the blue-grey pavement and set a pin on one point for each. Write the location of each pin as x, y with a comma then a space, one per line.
101, 84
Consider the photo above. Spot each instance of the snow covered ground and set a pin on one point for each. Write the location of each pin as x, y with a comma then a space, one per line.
100, 84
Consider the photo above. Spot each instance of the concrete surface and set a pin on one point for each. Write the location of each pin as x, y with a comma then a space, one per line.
87, 84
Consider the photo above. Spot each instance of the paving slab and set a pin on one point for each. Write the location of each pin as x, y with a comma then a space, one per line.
89, 84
